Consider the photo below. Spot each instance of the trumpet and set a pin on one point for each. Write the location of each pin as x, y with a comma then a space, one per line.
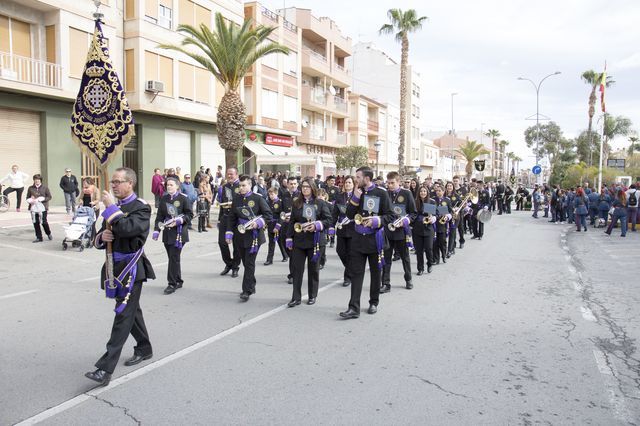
285, 215
343, 222
166, 223
426, 220
396, 223
443, 220
357, 219
226, 205
243, 227
299, 227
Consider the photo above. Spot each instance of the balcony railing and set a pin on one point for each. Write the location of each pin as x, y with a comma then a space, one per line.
269, 14
372, 125
340, 103
315, 54
32, 71
290, 26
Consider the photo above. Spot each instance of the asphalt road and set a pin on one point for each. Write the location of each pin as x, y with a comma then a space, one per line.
534, 324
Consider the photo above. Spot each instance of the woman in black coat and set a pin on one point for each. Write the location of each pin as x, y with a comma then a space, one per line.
345, 232
306, 234
423, 235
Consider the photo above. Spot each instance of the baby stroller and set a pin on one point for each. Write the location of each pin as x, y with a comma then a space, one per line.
79, 232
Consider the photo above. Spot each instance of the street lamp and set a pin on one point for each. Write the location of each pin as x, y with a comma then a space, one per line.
452, 136
537, 87
378, 147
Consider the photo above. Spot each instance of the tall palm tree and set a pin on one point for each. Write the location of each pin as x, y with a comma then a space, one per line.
402, 23
502, 145
509, 156
593, 79
516, 159
228, 52
470, 151
633, 139
494, 135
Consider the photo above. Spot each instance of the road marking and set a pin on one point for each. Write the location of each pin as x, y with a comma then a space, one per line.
21, 293
572, 269
620, 410
60, 408
588, 314
578, 286
46, 253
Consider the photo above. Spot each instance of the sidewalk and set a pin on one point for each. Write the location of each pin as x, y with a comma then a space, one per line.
14, 219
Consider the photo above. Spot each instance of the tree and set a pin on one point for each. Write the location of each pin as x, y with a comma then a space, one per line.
402, 23
587, 145
470, 151
228, 53
350, 157
494, 135
516, 159
558, 150
634, 144
502, 145
614, 127
594, 79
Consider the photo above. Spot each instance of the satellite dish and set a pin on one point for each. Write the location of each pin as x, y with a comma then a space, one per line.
332, 90
305, 123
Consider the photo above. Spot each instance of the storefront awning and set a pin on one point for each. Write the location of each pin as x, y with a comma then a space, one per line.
271, 154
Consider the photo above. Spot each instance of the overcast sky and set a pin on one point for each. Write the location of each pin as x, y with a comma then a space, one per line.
479, 49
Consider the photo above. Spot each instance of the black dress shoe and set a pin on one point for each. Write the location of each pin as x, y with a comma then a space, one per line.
268, 262
372, 309
226, 270
409, 285
179, 285
444, 259
245, 296
137, 359
448, 255
386, 288
285, 259
170, 289
293, 303
420, 272
349, 314
311, 301
395, 258
37, 240
429, 268
234, 273
290, 280
346, 284
99, 376
50, 237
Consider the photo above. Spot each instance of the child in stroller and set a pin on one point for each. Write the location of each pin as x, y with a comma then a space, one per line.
80, 232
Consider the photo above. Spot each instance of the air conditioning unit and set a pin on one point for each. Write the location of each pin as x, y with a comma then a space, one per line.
154, 86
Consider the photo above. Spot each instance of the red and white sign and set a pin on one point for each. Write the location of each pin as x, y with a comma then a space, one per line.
278, 140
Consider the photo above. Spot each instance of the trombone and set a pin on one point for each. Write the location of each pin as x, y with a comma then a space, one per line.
357, 219
427, 219
396, 223
243, 227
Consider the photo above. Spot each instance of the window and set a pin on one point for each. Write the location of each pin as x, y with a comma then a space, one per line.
129, 71
269, 103
362, 140
165, 16
248, 100
79, 45
290, 109
363, 113
271, 60
158, 67
194, 83
291, 63
15, 36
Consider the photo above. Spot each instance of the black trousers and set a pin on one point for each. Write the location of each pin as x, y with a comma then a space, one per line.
507, 207
18, 192
440, 248
272, 247
519, 204
492, 207
478, 227
323, 255
357, 262
130, 321
231, 262
41, 218
451, 243
400, 247
343, 248
174, 271
202, 222
298, 258
500, 204
424, 246
461, 229
249, 264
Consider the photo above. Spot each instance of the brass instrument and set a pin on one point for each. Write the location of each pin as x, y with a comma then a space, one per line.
443, 220
471, 196
284, 216
343, 222
166, 223
357, 219
396, 223
484, 216
243, 227
299, 227
427, 220
226, 205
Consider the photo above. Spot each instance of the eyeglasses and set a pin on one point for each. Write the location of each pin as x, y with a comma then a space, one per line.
117, 182
305, 186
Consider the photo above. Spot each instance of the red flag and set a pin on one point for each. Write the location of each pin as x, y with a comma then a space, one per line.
603, 82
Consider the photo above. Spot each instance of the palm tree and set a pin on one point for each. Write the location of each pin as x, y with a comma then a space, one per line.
228, 53
634, 139
503, 143
509, 156
470, 151
614, 127
593, 79
516, 159
494, 135
402, 23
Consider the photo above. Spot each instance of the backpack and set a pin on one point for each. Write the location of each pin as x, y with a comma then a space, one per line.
633, 200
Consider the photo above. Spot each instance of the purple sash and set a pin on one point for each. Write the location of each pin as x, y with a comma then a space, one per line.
118, 289
254, 233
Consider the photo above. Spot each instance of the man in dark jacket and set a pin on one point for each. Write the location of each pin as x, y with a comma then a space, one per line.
69, 186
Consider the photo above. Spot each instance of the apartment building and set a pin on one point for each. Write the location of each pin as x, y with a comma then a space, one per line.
377, 76
43, 46
324, 84
447, 144
430, 160
368, 127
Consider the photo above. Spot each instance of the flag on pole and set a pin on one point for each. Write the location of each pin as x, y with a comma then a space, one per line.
101, 123
603, 82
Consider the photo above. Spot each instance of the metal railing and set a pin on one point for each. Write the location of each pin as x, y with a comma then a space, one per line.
316, 55
269, 14
290, 26
29, 70
340, 103
318, 96
372, 125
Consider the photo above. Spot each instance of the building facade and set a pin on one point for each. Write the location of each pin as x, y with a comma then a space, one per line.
368, 128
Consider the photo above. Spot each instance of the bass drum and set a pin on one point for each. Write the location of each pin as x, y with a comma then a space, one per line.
484, 216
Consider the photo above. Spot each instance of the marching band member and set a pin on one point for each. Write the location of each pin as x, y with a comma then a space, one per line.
462, 191
484, 202
344, 228
456, 200
370, 209
287, 203
274, 227
330, 233
306, 235
246, 220
173, 219
404, 209
225, 197
442, 225
423, 233
333, 191
508, 198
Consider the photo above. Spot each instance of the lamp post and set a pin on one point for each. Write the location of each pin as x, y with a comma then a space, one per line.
537, 87
453, 136
378, 147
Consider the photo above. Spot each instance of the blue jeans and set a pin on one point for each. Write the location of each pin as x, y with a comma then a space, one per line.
581, 220
593, 213
632, 217
618, 214
70, 201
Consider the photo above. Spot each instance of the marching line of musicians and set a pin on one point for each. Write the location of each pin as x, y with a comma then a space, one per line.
366, 223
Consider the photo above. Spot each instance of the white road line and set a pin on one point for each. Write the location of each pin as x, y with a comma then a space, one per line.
620, 410
577, 286
20, 293
46, 253
53, 411
587, 314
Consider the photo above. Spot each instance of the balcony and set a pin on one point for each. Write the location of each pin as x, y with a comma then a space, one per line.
321, 136
31, 71
313, 99
314, 63
372, 126
341, 74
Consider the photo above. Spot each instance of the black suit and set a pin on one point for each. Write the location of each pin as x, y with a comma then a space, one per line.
304, 249
400, 199
423, 236
169, 235
130, 227
227, 193
287, 205
363, 246
245, 208
441, 230
345, 234
276, 209
500, 197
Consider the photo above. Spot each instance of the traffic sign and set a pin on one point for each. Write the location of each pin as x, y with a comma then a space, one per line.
536, 169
